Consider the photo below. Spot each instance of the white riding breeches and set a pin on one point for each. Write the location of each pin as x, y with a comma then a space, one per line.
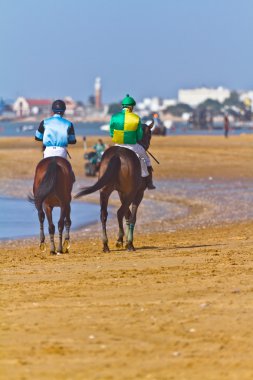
52, 151
141, 154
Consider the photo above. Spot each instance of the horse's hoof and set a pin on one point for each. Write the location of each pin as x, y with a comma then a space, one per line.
119, 244
130, 247
43, 246
66, 245
52, 253
59, 253
106, 248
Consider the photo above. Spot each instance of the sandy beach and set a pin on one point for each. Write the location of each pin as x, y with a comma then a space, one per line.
178, 308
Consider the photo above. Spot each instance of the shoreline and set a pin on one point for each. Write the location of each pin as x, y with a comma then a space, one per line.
172, 206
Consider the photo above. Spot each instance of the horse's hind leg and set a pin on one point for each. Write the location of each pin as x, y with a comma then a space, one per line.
120, 215
104, 196
132, 221
51, 228
41, 216
127, 217
60, 229
66, 244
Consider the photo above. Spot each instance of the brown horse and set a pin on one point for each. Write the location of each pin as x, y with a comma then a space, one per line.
52, 187
120, 170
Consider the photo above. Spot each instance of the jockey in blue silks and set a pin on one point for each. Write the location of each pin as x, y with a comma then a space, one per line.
56, 132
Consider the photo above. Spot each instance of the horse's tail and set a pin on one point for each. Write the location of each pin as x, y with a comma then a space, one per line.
109, 176
46, 186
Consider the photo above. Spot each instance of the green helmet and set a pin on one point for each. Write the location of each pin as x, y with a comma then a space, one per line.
128, 101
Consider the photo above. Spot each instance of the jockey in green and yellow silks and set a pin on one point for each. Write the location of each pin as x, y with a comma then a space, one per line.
126, 131
125, 126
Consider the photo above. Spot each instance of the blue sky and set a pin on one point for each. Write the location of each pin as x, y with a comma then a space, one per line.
54, 48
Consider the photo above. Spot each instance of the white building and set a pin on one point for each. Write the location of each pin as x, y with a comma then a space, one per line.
21, 107
167, 103
150, 105
70, 106
194, 97
26, 107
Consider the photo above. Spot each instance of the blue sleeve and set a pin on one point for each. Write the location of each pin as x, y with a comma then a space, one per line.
40, 132
71, 135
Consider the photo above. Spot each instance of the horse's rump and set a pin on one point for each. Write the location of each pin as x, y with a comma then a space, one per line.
130, 170
52, 188
52, 180
119, 170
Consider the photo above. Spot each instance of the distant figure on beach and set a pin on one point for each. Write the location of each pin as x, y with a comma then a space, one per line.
84, 143
99, 147
126, 130
56, 132
226, 125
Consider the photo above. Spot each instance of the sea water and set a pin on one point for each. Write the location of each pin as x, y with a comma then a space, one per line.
94, 129
19, 218
81, 129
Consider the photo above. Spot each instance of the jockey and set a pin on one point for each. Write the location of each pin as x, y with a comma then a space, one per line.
56, 132
126, 131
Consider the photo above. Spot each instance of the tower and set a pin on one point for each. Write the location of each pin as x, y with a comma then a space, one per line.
98, 93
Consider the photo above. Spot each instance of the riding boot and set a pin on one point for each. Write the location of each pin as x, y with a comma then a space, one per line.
150, 185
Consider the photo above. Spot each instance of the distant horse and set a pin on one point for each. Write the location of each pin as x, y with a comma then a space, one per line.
52, 187
120, 170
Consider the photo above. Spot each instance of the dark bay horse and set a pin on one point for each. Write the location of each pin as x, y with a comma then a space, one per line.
52, 187
120, 170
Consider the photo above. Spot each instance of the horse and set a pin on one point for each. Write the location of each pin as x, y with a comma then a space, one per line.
120, 170
52, 187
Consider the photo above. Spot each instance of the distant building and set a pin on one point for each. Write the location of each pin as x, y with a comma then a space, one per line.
155, 104
6, 111
193, 97
70, 106
98, 93
1, 106
26, 107
149, 105
21, 107
95, 109
168, 102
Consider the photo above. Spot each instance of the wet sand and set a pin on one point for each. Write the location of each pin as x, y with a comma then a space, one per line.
178, 308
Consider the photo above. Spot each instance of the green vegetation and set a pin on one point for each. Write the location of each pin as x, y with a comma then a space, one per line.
179, 109
212, 105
